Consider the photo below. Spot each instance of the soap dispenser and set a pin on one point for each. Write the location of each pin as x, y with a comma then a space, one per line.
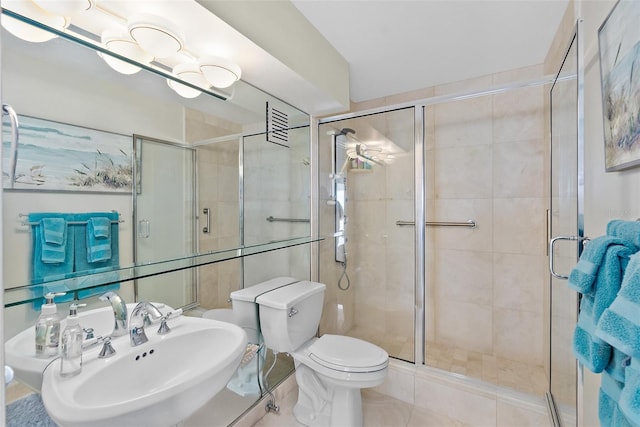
48, 328
72, 336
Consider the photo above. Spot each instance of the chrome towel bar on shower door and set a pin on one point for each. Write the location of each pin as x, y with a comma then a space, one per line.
471, 223
272, 219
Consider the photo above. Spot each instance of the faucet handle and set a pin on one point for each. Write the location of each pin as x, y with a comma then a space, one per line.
107, 349
89, 332
164, 328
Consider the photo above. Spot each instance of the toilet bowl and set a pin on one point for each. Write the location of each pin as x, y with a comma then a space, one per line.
330, 370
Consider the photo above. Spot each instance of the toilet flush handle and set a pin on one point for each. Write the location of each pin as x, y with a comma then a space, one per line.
293, 312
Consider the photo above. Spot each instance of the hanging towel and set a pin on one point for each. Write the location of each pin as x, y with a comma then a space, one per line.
98, 239
41, 270
54, 240
82, 260
627, 230
598, 276
583, 277
616, 367
629, 402
609, 411
619, 325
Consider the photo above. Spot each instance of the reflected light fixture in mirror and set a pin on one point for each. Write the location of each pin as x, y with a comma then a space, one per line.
31, 10
189, 73
220, 72
122, 45
155, 35
64, 7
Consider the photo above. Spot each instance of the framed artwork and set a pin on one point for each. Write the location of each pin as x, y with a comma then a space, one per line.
54, 156
619, 46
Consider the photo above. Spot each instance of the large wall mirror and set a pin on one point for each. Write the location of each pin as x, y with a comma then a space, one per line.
182, 175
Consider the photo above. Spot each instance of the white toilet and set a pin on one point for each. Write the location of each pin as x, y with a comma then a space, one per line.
330, 370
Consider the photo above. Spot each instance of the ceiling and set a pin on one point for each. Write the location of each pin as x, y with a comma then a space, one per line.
396, 46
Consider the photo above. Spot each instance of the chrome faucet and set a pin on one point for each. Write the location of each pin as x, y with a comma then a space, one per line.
119, 313
142, 315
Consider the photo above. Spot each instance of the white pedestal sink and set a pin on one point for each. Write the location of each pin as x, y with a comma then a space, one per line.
159, 383
20, 350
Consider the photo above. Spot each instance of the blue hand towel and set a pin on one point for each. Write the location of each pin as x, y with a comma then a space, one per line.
41, 270
619, 325
583, 277
98, 239
629, 402
606, 260
617, 365
54, 239
609, 412
592, 352
627, 230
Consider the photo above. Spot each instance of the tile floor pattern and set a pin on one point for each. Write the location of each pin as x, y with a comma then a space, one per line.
496, 370
379, 411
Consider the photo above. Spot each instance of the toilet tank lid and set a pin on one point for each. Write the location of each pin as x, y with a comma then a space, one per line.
286, 296
252, 292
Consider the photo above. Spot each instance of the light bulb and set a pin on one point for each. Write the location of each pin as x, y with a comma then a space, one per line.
220, 72
27, 31
64, 7
190, 73
117, 43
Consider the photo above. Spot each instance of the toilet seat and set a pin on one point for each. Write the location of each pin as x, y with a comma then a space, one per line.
347, 354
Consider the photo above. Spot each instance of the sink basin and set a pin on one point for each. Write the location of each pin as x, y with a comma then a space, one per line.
159, 383
20, 351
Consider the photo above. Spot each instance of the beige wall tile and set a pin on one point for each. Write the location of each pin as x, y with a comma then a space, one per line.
465, 276
479, 238
519, 282
519, 226
463, 172
465, 325
510, 339
518, 169
519, 115
464, 123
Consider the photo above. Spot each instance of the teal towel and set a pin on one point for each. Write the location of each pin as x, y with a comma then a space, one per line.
609, 412
616, 367
598, 276
82, 259
619, 325
629, 402
592, 352
54, 239
98, 239
583, 277
627, 230
40, 270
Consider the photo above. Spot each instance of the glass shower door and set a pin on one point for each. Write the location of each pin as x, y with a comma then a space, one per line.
165, 218
566, 231
367, 259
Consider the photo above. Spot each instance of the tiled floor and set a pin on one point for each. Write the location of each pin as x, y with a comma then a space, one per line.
378, 409
516, 375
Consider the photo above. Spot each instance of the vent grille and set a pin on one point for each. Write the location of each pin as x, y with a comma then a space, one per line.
277, 126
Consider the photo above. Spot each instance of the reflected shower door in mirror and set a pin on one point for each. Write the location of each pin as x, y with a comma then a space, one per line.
165, 217
367, 261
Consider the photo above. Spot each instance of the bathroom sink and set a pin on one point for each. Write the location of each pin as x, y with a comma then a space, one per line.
158, 383
20, 352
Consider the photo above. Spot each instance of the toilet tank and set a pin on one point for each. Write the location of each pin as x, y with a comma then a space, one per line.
290, 315
245, 309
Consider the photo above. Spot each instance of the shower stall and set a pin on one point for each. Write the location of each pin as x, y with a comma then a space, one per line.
465, 292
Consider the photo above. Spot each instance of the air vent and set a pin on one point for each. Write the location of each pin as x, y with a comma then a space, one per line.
277, 126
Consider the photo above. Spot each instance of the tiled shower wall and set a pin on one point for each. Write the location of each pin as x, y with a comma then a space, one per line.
486, 161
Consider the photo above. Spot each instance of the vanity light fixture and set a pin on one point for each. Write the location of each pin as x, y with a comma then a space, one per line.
155, 35
190, 73
64, 7
122, 45
29, 32
220, 72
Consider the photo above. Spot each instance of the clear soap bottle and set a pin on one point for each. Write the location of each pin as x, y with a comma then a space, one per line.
71, 360
48, 328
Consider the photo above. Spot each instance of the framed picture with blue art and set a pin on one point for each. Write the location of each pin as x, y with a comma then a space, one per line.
54, 156
619, 46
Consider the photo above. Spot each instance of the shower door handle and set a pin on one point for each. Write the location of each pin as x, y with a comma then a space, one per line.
552, 243
13, 159
207, 228
144, 229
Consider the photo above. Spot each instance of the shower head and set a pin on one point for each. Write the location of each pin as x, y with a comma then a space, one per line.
343, 131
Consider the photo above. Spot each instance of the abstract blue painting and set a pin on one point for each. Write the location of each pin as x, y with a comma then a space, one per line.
57, 156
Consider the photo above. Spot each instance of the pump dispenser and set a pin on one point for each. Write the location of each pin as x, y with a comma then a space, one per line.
48, 328
71, 360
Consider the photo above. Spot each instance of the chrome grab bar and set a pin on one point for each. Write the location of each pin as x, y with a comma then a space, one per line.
471, 223
272, 219
551, 246
207, 228
15, 134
